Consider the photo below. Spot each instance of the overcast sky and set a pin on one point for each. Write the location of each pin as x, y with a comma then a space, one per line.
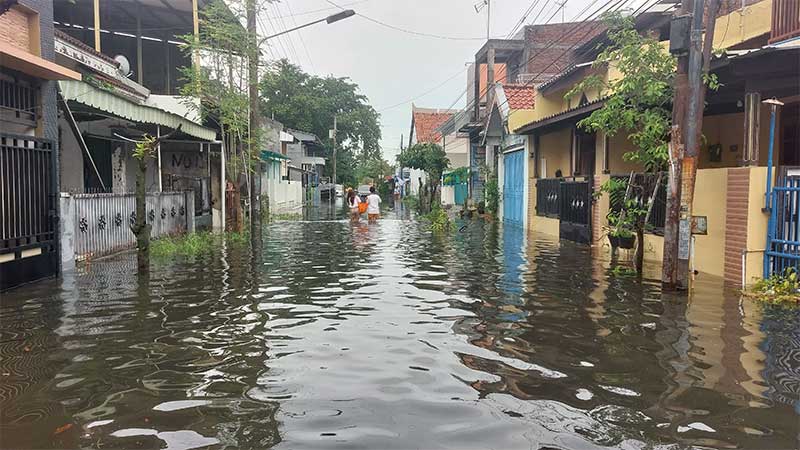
393, 67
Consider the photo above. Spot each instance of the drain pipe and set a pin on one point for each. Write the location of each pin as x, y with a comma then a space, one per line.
744, 265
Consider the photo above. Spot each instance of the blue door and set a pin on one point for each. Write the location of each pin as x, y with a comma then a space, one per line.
513, 187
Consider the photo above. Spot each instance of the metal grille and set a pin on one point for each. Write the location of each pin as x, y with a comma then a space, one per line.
547, 195
576, 202
785, 20
26, 193
646, 183
102, 221
783, 251
18, 99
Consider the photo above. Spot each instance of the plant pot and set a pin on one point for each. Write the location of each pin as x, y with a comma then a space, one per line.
625, 242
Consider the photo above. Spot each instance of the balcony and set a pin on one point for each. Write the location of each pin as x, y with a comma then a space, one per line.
785, 20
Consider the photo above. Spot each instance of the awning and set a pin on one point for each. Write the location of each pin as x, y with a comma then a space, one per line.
266, 154
89, 95
18, 59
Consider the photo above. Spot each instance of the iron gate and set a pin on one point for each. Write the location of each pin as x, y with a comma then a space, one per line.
513, 187
783, 240
576, 211
27, 210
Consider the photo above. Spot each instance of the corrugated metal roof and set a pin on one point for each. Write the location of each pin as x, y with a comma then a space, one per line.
89, 95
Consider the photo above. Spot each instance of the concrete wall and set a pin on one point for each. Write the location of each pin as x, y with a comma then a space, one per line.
284, 196
554, 148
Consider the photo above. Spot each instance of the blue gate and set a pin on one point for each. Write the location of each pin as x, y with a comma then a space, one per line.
461, 193
783, 240
513, 187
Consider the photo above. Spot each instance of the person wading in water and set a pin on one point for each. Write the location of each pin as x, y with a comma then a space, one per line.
352, 202
373, 205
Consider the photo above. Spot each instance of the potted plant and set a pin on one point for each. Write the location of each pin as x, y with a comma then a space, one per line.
621, 229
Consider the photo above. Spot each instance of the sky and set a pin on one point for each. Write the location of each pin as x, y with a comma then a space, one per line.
394, 68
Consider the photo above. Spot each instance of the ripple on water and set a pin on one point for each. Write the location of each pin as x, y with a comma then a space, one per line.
388, 336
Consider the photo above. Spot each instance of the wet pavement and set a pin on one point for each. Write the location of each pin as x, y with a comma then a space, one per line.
385, 336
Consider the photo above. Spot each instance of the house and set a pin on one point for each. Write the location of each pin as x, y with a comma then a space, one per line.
29, 151
742, 193
306, 153
534, 55
425, 128
281, 193
122, 96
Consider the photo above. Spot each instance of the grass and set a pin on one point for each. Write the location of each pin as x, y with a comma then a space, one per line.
285, 217
194, 244
439, 220
412, 201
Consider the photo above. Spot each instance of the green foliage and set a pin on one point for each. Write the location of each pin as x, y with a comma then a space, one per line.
622, 271
411, 201
373, 169
425, 156
639, 101
779, 289
491, 194
384, 189
145, 148
624, 222
307, 102
439, 220
194, 244
285, 217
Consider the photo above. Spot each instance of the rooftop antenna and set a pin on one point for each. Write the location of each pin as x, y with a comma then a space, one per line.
488, 5
562, 4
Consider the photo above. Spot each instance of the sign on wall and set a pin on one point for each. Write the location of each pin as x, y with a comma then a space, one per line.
190, 164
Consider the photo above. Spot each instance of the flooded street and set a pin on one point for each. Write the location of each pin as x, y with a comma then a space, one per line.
386, 336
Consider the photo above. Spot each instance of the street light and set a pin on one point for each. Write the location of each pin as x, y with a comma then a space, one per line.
330, 19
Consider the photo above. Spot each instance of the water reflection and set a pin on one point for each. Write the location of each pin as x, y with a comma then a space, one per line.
387, 336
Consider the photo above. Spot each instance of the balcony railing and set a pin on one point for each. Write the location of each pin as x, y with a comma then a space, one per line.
785, 20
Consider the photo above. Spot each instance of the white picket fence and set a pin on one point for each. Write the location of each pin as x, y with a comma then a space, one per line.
99, 224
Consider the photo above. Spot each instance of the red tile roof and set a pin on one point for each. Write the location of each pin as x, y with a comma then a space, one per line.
520, 96
427, 121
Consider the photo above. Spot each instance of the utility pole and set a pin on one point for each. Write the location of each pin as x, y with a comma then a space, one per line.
333, 136
255, 130
687, 126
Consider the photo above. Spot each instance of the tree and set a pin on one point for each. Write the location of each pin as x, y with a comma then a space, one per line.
638, 103
430, 158
307, 102
145, 149
221, 84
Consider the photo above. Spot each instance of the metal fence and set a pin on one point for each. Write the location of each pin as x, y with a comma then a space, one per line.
102, 221
783, 249
645, 184
26, 194
547, 195
576, 202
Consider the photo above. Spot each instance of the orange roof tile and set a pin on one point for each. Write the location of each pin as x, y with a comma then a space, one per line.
426, 123
520, 96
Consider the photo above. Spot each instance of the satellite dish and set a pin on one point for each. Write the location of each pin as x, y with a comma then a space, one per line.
124, 65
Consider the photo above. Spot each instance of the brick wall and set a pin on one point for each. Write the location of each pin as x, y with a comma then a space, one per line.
14, 24
551, 46
736, 217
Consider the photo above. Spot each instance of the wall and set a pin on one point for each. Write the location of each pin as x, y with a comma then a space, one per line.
711, 193
284, 196
448, 195
728, 130
743, 24
14, 24
554, 147
757, 224
71, 160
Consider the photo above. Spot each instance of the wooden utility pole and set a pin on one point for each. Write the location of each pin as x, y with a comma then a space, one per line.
255, 129
687, 126
96, 11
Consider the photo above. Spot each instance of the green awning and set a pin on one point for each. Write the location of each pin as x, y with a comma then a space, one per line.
86, 94
266, 154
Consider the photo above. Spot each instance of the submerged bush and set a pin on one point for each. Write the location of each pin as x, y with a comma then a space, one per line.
439, 220
781, 289
194, 244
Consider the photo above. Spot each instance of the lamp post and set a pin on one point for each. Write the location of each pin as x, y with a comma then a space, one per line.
330, 19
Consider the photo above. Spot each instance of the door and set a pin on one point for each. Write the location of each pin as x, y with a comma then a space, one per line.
783, 249
513, 187
575, 199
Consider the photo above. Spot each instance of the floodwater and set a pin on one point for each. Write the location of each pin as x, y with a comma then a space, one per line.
385, 336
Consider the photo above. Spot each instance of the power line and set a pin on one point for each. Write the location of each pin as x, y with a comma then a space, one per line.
422, 94
524, 16
288, 37
412, 32
300, 35
638, 11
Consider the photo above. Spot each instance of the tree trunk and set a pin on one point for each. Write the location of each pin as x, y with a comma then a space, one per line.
639, 256
140, 227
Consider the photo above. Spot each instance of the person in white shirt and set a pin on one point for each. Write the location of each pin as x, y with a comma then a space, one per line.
352, 202
373, 205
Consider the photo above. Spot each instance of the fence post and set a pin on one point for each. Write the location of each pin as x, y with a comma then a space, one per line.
67, 227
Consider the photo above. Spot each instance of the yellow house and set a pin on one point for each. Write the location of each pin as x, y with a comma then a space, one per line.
567, 164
